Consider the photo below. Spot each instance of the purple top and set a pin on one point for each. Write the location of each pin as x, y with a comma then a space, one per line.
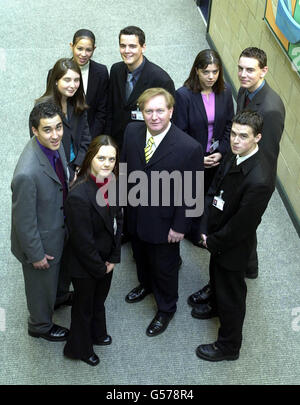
52, 155
210, 112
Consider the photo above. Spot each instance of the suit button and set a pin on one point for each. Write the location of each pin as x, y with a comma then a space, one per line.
63, 227
61, 189
61, 208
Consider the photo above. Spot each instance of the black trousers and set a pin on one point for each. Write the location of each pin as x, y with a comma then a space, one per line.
88, 321
229, 292
157, 270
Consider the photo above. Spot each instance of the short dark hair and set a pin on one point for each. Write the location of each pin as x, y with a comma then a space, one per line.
251, 118
202, 60
44, 110
133, 30
257, 54
83, 33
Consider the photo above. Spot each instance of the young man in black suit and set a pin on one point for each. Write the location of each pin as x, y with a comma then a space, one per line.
128, 80
153, 148
234, 205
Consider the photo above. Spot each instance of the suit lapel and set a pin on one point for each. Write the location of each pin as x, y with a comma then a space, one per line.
200, 105
92, 83
44, 161
140, 85
165, 148
92, 190
140, 143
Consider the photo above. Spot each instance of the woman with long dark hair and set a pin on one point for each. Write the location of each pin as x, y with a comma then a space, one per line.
65, 88
204, 110
94, 224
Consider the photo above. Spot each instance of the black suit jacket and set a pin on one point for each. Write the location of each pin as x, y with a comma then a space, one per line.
76, 130
91, 232
247, 190
96, 98
177, 152
119, 110
190, 116
268, 103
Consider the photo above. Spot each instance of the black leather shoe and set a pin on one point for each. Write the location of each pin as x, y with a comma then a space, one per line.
55, 334
200, 297
107, 340
212, 353
68, 301
137, 294
158, 324
203, 311
251, 274
93, 360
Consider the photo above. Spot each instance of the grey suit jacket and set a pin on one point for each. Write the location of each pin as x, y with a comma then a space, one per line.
37, 207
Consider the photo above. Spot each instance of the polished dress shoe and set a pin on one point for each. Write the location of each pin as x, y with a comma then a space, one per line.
203, 311
200, 297
55, 334
137, 294
158, 324
107, 340
93, 360
68, 301
212, 353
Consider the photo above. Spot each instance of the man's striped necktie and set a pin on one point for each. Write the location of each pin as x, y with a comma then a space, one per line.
148, 149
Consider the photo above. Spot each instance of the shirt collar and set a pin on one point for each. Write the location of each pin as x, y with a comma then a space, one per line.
158, 138
241, 159
251, 95
138, 70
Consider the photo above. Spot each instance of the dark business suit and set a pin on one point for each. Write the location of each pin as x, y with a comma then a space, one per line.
156, 259
76, 131
92, 242
119, 109
190, 116
96, 97
247, 190
268, 103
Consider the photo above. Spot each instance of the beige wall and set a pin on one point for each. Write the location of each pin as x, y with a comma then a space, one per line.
237, 24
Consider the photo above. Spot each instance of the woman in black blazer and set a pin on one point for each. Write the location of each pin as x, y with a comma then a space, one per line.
65, 88
95, 79
94, 224
204, 109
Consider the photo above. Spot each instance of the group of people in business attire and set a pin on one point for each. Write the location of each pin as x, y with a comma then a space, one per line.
65, 227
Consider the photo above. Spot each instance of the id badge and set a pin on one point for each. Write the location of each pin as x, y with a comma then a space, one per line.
213, 146
137, 115
218, 201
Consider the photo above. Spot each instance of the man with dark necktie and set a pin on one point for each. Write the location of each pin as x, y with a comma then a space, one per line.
39, 188
128, 80
155, 148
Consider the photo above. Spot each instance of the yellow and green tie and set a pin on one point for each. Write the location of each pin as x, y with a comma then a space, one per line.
148, 149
